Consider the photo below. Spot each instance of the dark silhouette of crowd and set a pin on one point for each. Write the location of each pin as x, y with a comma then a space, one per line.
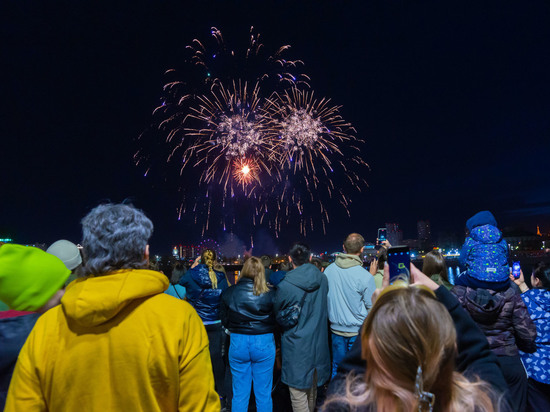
98, 327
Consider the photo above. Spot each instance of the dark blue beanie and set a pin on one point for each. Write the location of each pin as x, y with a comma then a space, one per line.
479, 219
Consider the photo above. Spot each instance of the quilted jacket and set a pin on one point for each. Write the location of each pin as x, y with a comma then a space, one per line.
502, 316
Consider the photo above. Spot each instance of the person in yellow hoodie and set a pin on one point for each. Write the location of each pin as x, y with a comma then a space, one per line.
116, 342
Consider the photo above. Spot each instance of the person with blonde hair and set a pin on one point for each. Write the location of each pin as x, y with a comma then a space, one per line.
247, 312
411, 341
204, 285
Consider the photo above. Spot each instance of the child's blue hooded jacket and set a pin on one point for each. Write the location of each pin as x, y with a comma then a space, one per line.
485, 253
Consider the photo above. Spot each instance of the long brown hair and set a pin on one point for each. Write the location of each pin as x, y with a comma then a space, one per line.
408, 328
253, 269
434, 264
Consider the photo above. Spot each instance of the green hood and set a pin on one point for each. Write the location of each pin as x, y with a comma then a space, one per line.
346, 261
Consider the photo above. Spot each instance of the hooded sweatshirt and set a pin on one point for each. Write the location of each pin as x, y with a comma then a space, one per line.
537, 364
305, 346
116, 343
350, 288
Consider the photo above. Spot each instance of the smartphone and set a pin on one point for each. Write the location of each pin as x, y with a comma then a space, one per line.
516, 270
381, 234
399, 261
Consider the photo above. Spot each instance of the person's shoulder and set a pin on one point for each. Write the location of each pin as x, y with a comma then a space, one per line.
186, 277
168, 303
358, 271
458, 290
285, 286
331, 268
48, 324
227, 292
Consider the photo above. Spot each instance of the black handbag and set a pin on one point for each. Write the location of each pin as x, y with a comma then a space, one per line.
288, 317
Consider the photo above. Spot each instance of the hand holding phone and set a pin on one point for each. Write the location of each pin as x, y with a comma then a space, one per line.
381, 235
516, 270
399, 261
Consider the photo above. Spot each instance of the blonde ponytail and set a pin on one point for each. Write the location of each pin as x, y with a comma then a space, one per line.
209, 258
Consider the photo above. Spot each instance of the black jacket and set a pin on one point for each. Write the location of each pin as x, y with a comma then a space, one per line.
243, 312
475, 358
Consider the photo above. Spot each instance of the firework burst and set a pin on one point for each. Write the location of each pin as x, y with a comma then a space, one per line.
229, 129
255, 136
306, 130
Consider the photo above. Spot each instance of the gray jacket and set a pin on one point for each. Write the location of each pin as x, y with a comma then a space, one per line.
305, 346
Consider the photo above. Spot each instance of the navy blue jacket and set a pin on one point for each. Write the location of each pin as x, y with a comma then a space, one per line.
200, 294
13, 334
276, 277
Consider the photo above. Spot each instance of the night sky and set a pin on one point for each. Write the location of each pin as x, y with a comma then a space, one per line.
452, 99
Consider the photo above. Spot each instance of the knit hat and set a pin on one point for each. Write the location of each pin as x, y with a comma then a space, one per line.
29, 277
480, 219
66, 251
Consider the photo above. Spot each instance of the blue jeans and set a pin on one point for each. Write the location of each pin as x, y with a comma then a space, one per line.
340, 346
251, 358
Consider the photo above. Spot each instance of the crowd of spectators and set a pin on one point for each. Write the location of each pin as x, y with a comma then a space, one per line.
101, 329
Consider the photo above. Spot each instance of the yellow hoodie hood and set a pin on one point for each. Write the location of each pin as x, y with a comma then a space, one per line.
94, 300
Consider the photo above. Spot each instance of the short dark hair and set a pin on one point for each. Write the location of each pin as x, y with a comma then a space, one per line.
300, 253
382, 257
318, 263
353, 243
266, 261
285, 266
542, 273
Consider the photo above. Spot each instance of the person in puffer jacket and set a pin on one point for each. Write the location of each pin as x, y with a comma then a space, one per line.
484, 254
537, 364
204, 287
505, 321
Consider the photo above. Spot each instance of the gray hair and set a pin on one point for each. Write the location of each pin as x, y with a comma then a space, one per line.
114, 236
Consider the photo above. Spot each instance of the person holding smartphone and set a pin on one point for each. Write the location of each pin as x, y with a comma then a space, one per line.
537, 364
419, 350
376, 267
350, 288
502, 315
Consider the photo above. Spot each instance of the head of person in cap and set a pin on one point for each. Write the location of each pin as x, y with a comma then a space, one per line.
31, 282
69, 253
